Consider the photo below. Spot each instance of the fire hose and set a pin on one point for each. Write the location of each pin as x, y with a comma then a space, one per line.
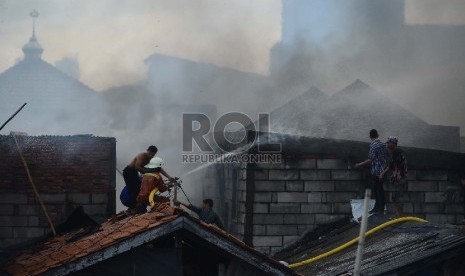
354, 241
176, 182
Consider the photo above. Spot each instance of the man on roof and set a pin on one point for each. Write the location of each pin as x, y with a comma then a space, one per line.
377, 159
205, 213
131, 174
151, 181
397, 169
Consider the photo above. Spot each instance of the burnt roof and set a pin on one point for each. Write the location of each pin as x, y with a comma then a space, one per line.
72, 252
402, 248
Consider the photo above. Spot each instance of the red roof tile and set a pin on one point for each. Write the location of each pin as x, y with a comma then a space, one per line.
71, 247
63, 249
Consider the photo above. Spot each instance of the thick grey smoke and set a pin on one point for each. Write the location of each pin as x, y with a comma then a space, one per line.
69, 65
418, 66
325, 44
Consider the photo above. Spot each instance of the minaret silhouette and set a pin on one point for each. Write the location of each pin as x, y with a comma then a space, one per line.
33, 49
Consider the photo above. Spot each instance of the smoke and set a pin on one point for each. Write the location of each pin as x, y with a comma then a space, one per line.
154, 60
69, 65
416, 66
429, 12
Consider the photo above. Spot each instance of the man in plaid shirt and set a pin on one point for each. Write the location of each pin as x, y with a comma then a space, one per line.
377, 159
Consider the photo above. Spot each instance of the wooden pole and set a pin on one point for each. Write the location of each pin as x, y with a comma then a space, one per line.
175, 198
363, 230
12, 116
34, 186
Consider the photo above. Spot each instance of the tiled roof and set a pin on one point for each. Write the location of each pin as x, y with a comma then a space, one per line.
64, 249
73, 251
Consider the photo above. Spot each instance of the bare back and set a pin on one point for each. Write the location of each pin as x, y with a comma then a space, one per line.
140, 161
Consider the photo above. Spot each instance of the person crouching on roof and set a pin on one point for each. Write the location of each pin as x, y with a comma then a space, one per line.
151, 181
205, 213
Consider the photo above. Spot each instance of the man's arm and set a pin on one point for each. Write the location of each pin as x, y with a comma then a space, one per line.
189, 206
166, 174
361, 164
381, 176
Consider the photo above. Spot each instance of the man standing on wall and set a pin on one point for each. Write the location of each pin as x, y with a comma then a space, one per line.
397, 167
131, 174
377, 158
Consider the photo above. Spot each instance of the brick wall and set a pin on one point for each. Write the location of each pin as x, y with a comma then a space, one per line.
68, 171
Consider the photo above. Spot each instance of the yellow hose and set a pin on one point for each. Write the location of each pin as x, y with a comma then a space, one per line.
352, 242
151, 195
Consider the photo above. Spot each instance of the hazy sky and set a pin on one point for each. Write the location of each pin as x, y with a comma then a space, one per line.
112, 38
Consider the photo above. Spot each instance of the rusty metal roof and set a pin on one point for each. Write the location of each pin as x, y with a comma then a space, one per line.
402, 248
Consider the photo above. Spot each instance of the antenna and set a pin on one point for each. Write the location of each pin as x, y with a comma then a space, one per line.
34, 14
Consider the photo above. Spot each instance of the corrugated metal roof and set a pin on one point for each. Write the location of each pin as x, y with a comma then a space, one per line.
398, 248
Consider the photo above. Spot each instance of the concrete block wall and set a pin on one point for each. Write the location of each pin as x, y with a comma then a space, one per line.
68, 172
299, 195
219, 182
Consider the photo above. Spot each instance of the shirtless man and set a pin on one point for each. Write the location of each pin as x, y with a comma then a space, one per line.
131, 176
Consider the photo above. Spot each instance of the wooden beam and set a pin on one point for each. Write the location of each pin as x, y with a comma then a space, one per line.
34, 187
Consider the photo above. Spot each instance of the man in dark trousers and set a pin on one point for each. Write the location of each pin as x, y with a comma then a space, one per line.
131, 173
206, 213
397, 169
377, 158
